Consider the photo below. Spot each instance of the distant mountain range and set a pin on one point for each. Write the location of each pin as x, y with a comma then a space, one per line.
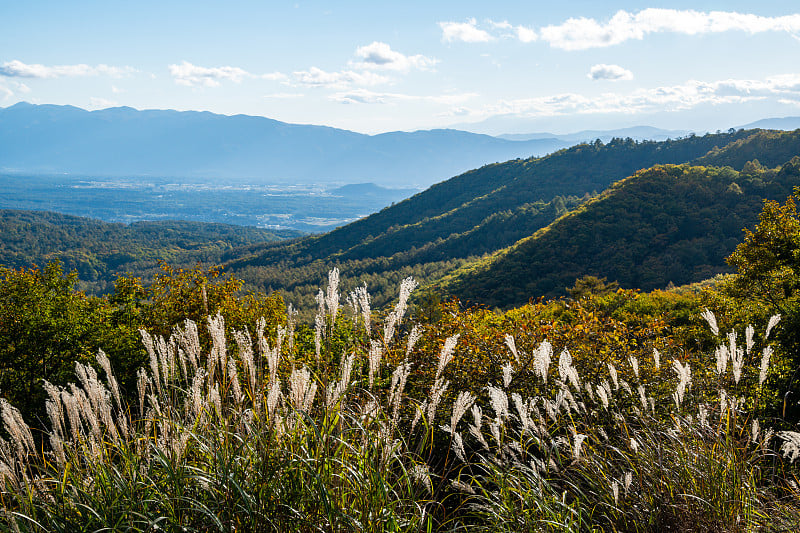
125, 142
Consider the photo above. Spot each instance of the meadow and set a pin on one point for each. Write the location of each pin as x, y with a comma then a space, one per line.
370, 421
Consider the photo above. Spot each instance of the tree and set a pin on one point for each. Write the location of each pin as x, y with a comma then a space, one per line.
45, 327
768, 264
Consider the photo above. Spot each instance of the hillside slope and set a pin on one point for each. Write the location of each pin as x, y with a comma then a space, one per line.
459, 220
664, 224
99, 251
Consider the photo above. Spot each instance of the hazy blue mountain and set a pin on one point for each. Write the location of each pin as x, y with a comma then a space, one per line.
784, 123
639, 133
127, 142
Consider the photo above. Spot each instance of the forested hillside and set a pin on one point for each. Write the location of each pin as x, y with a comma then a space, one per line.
461, 219
667, 224
101, 251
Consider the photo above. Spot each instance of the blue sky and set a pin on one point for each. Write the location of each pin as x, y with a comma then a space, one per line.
373, 67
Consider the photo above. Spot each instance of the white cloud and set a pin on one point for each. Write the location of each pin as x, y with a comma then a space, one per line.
609, 72
18, 69
525, 35
284, 96
101, 103
783, 88
583, 33
316, 77
467, 32
365, 96
378, 55
191, 75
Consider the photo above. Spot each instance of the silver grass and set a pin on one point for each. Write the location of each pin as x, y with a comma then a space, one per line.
634, 365
218, 354
407, 286
334, 391
626, 387
215, 400
446, 355
399, 378
615, 491
332, 295
642, 396
507, 372
762, 376
458, 447
628, 480
437, 390
499, 401
791, 444
245, 344
420, 474
754, 431
413, 337
475, 427
233, 380
737, 357
702, 415
147, 340
21, 436
419, 411
302, 389
512, 346
189, 340
523, 412
388, 327
195, 393
634, 444
541, 361
319, 324
612, 371
712, 321
462, 403
773, 321
566, 371
462, 487
291, 317
603, 395
374, 359
656, 359
273, 397
105, 363
721, 355
577, 444
684, 380
749, 338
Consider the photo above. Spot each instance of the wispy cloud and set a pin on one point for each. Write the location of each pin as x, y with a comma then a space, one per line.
18, 69
316, 77
783, 89
379, 55
467, 32
101, 103
609, 72
581, 33
365, 96
193, 75
284, 96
